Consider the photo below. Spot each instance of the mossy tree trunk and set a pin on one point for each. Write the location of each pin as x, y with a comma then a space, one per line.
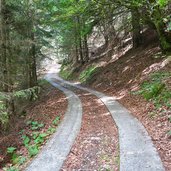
165, 40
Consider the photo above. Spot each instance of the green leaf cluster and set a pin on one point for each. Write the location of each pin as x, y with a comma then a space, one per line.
156, 90
86, 74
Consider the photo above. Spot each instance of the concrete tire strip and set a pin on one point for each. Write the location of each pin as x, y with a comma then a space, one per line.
58, 147
137, 152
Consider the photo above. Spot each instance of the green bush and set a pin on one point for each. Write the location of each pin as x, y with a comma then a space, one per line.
156, 90
65, 72
28, 94
87, 73
4, 116
42, 82
151, 90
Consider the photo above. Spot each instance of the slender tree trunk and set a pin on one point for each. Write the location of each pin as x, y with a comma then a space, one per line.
81, 50
1, 47
4, 34
86, 51
9, 62
32, 52
136, 37
80, 40
76, 45
76, 54
32, 63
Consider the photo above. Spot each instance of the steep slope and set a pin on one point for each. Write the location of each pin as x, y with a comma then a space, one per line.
122, 76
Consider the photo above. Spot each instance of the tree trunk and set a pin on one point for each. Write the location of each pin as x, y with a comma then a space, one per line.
32, 50
86, 51
76, 54
80, 40
136, 37
76, 45
157, 20
81, 50
32, 63
4, 34
165, 40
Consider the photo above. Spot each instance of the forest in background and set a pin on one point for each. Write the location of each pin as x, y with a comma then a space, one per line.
77, 32
75, 29
27, 26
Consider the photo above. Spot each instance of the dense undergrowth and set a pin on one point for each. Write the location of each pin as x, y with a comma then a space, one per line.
32, 141
66, 72
88, 73
32, 137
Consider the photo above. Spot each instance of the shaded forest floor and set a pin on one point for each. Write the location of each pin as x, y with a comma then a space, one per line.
32, 128
121, 76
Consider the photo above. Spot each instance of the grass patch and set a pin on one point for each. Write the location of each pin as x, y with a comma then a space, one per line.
87, 73
66, 72
43, 82
156, 90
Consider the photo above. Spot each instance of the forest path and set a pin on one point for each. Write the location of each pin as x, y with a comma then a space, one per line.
137, 152
58, 147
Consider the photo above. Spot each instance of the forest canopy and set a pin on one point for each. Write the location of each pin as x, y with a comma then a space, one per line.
28, 25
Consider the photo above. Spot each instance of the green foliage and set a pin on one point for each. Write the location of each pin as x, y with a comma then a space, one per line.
4, 116
87, 73
40, 138
11, 150
163, 3
56, 121
152, 90
51, 130
21, 132
21, 160
29, 94
11, 168
35, 135
156, 90
26, 140
43, 82
33, 150
32, 143
66, 72
35, 125
14, 157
